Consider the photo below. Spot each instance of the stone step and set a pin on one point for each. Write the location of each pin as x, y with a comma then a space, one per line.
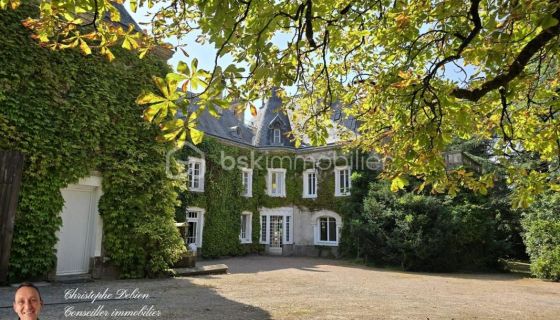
74, 278
201, 270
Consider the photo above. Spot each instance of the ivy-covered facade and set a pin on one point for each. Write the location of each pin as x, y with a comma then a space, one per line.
94, 193
250, 190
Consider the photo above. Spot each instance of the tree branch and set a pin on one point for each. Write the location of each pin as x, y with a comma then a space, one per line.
309, 24
530, 49
475, 18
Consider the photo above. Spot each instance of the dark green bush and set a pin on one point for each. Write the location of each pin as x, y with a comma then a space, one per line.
542, 236
427, 233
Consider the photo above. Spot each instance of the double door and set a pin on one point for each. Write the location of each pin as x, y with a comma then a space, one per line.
276, 230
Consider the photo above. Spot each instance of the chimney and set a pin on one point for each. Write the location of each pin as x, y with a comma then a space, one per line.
239, 111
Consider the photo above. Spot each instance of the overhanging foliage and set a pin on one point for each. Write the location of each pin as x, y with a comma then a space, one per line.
416, 74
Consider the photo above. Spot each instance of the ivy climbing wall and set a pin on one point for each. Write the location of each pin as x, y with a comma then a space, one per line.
70, 114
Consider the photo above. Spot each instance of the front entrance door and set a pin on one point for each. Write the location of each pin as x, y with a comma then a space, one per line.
74, 247
276, 234
277, 229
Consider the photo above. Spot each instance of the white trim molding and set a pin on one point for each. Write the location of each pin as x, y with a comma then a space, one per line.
276, 136
276, 188
325, 219
247, 184
310, 177
287, 214
342, 181
196, 169
199, 220
246, 236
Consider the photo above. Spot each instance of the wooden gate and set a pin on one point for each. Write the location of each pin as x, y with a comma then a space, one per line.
11, 167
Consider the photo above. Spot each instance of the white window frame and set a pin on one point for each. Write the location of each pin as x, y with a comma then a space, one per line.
199, 221
338, 191
248, 238
287, 214
306, 175
276, 136
454, 158
190, 183
264, 222
247, 189
282, 188
317, 228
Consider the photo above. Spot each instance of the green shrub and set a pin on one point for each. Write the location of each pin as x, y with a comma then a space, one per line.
426, 233
542, 236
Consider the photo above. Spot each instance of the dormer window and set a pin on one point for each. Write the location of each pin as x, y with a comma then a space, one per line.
276, 137
453, 158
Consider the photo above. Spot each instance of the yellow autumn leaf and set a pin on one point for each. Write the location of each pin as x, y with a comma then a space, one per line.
398, 183
149, 97
107, 53
84, 47
196, 135
402, 20
253, 109
404, 74
15, 4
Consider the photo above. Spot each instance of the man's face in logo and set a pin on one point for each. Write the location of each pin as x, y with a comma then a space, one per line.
27, 303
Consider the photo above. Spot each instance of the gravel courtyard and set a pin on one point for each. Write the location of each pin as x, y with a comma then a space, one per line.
302, 288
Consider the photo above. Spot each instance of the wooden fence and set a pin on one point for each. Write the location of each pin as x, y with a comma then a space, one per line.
11, 167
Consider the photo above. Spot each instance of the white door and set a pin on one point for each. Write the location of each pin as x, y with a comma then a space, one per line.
74, 239
276, 235
276, 228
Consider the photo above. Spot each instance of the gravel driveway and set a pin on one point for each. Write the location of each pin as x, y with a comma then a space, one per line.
261, 287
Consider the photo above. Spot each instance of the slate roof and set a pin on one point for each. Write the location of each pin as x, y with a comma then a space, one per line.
269, 118
231, 127
126, 18
228, 126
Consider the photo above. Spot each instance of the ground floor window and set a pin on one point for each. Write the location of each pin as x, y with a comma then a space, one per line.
246, 223
193, 226
327, 227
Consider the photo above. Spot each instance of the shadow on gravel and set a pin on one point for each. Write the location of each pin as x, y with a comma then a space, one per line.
255, 264
170, 299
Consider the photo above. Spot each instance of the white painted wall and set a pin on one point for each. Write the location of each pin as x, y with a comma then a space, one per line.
303, 231
305, 222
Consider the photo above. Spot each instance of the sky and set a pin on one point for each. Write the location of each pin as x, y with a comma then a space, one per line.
204, 53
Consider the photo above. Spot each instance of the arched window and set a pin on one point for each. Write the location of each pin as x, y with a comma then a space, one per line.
327, 228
